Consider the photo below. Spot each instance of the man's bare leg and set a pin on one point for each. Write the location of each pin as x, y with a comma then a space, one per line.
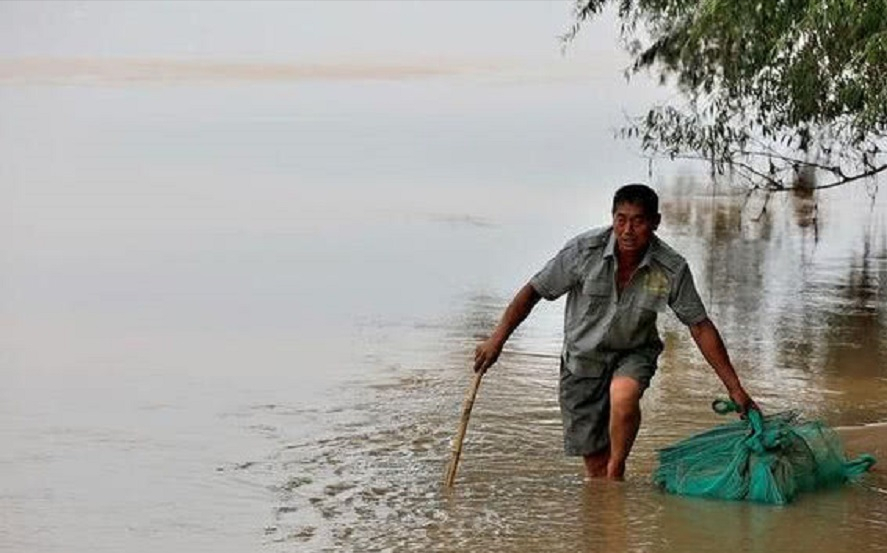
625, 420
596, 464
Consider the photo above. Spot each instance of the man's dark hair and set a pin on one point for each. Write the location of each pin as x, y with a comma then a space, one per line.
638, 194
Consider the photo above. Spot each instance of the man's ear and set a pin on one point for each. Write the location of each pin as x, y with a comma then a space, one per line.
656, 220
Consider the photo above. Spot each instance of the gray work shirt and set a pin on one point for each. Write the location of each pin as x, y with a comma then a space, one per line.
600, 323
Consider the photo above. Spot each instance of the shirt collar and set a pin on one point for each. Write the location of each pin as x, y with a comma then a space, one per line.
651, 250
610, 248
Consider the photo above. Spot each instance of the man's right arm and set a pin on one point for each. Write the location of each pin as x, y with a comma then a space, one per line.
488, 352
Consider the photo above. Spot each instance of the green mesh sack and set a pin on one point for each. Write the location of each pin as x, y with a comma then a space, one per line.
768, 459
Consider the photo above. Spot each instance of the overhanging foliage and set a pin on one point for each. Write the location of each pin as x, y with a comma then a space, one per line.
770, 87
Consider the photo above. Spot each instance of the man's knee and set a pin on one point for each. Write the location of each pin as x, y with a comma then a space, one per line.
625, 397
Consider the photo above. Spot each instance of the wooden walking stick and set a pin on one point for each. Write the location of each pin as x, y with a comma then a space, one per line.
463, 426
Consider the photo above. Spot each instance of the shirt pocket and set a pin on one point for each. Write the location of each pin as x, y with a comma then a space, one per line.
653, 291
597, 293
653, 301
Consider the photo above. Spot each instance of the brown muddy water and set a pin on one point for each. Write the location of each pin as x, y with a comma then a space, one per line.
804, 320
126, 428
240, 317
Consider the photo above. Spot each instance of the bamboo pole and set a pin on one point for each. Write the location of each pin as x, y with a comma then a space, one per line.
463, 426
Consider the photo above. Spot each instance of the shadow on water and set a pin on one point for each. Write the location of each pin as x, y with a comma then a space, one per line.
801, 305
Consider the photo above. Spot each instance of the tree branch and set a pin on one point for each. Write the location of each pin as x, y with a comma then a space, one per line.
834, 169
776, 185
848, 180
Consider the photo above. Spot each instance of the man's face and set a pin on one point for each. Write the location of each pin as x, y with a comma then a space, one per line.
633, 227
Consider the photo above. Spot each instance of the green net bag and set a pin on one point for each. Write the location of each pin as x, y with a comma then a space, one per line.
768, 459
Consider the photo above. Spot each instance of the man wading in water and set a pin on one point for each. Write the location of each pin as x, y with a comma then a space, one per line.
616, 279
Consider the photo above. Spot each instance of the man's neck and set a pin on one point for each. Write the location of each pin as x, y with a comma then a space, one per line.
630, 260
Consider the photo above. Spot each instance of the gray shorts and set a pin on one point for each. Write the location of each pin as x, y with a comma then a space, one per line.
585, 401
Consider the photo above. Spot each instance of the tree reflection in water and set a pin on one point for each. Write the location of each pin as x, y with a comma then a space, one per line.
799, 301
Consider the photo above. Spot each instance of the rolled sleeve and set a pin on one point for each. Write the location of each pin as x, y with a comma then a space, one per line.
685, 301
559, 275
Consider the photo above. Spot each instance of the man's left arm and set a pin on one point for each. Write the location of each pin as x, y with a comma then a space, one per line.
712, 347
